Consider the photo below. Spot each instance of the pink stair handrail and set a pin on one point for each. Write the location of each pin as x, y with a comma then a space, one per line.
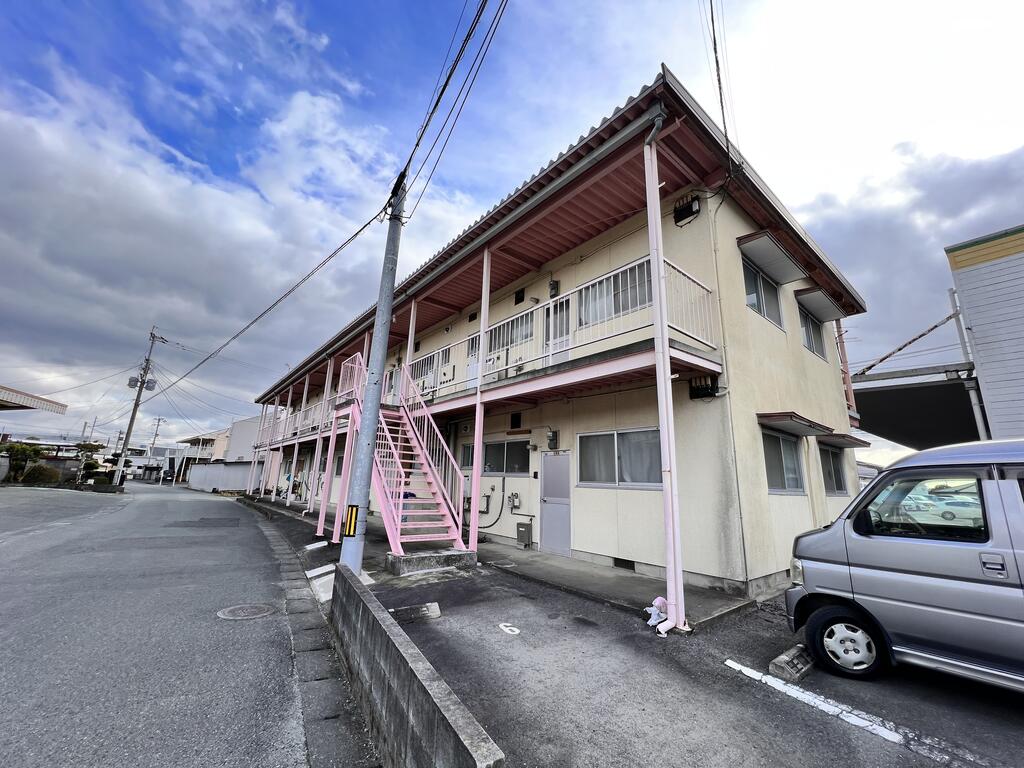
438, 458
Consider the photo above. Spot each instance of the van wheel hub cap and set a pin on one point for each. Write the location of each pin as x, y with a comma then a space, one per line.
849, 646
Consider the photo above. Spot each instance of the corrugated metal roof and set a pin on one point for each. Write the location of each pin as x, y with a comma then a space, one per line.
546, 178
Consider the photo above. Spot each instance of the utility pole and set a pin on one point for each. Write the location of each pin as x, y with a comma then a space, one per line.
359, 493
156, 433
93, 429
140, 386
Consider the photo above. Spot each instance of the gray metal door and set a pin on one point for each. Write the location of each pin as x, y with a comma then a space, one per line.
931, 558
555, 510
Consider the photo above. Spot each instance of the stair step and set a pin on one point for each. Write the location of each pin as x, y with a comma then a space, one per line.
428, 537
423, 512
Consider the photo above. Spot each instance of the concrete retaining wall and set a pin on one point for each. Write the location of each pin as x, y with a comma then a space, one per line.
224, 476
415, 719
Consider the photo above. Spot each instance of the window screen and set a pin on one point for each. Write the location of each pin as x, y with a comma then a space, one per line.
639, 457
466, 455
813, 337
494, 457
621, 458
597, 458
782, 462
517, 457
762, 294
832, 469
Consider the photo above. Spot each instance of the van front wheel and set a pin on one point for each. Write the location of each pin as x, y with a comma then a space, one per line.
843, 642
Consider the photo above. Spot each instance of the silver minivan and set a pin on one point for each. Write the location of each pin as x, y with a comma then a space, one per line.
924, 567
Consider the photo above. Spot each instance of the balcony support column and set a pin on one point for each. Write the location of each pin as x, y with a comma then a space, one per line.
295, 448
284, 436
315, 469
325, 494
410, 342
265, 474
478, 412
255, 452
666, 411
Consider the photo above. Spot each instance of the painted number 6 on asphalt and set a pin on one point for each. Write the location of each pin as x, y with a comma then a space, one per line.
508, 628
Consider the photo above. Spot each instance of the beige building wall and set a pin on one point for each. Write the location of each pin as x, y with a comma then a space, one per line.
768, 369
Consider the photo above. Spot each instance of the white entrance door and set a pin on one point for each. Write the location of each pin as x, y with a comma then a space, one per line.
555, 510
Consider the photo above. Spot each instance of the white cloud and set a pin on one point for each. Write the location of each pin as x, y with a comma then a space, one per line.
105, 230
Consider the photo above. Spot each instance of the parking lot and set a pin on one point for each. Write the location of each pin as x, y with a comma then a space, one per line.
558, 679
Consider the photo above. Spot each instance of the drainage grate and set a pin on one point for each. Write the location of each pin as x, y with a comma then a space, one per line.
248, 611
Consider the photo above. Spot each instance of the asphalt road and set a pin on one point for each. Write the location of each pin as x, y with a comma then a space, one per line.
111, 653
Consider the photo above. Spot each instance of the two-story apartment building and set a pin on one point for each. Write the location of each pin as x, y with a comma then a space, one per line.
642, 308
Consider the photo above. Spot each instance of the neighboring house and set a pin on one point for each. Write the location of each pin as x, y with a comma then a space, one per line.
554, 403
866, 472
224, 456
988, 273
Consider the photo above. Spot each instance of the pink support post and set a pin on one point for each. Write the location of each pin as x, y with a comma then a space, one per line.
250, 479
663, 374
321, 414
266, 451
287, 415
295, 449
325, 495
346, 470
478, 414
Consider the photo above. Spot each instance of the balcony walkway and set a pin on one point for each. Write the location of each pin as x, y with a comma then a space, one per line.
616, 587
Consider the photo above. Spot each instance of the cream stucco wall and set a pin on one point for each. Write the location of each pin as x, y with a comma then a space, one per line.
768, 369
732, 527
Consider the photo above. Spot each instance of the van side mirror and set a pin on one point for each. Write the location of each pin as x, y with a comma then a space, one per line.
862, 523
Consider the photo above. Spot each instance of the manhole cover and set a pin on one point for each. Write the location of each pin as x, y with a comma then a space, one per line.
250, 611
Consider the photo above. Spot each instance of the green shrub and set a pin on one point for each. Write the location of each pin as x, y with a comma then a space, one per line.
40, 474
101, 481
89, 465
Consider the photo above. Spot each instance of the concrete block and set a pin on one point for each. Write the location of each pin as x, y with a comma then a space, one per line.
793, 665
399, 565
414, 717
315, 665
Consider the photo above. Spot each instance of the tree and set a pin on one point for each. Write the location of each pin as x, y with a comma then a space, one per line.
112, 460
19, 455
86, 450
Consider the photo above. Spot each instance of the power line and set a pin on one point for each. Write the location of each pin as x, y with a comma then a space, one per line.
197, 400
467, 85
400, 181
225, 358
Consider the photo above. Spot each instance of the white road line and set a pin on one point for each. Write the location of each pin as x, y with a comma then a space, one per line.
315, 545
939, 750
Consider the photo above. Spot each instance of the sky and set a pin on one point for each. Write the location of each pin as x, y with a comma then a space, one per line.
180, 164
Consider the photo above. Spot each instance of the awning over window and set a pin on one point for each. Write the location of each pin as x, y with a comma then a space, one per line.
843, 441
793, 423
768, 255
819, 304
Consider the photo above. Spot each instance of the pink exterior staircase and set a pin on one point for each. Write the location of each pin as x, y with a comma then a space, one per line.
416, 480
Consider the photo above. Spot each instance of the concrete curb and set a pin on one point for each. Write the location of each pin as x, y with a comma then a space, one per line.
414, 716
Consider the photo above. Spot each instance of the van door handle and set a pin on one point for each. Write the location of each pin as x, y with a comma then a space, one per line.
993, 565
